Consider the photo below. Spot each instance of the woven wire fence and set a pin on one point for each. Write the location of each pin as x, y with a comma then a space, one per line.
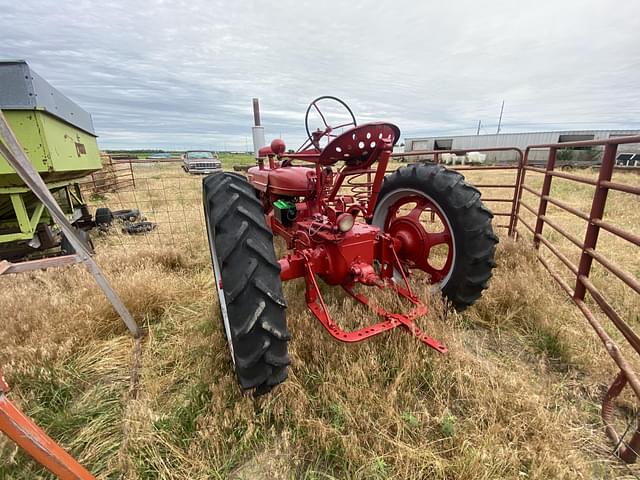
165, 197
171, 201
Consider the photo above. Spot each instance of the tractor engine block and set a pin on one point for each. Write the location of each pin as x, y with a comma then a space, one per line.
337, 258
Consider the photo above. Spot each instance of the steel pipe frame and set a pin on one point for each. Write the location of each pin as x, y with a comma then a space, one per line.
603, 184
588, 247
519, 174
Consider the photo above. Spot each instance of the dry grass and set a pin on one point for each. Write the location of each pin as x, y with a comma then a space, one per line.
517, 396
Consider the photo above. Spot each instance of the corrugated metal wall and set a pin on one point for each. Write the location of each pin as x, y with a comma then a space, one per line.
520, 140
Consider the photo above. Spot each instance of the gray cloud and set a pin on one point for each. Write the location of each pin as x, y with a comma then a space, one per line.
181, 74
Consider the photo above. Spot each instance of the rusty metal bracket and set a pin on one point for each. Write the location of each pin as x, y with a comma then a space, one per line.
627, 452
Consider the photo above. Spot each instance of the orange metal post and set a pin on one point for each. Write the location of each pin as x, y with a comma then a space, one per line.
27, 435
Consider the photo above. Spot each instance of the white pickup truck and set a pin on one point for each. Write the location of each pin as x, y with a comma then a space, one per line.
200, 161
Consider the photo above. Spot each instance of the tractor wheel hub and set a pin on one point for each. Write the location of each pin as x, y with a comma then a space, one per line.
414, 240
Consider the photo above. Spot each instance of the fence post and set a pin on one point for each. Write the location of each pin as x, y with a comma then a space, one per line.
517, 193
597, 209
546, 189
133, 178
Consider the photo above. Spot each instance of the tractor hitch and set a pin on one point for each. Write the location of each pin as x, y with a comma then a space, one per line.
309, 262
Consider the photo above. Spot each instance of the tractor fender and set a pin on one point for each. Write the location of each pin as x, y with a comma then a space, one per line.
258, 178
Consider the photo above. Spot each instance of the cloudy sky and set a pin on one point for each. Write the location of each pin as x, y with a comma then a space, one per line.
181, 74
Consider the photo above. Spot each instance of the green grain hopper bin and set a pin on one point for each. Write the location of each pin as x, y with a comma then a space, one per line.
58, 137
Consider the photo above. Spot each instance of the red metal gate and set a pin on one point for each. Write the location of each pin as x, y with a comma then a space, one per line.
511, 195
579, 284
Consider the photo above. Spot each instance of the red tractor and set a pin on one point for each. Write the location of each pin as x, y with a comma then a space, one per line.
346, 222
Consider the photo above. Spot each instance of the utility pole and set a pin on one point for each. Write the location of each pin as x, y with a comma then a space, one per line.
500, 119
479, 123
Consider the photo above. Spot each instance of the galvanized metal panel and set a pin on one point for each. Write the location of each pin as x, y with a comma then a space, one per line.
520, 140
23, 89
16, 88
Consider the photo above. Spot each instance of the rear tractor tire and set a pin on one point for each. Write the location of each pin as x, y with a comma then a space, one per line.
247, 276
443, 194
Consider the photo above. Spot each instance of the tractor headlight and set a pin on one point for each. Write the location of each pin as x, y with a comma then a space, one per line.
345, 222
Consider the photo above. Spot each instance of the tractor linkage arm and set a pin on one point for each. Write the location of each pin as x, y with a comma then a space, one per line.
305, 263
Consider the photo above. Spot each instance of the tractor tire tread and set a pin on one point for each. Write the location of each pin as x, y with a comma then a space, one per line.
238, 238
251, 196
470, 221
251, 281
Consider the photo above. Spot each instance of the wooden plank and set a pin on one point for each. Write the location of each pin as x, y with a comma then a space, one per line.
7, 268
4, 266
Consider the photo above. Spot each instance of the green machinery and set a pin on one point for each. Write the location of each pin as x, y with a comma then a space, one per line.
58, 137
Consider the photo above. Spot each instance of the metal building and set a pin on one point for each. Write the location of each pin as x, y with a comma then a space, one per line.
520, 140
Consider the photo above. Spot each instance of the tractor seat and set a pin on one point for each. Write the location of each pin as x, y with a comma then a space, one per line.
356, 145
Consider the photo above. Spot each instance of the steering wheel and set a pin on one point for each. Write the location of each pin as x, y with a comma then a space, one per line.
324, 133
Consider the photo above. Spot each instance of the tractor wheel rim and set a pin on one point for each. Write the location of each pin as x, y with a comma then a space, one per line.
416, 242
218, 282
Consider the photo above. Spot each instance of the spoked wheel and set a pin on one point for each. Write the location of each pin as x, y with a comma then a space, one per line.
325, 119
443, 229
427, 241
247, 277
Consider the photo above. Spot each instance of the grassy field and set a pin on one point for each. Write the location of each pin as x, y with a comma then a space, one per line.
517, 396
